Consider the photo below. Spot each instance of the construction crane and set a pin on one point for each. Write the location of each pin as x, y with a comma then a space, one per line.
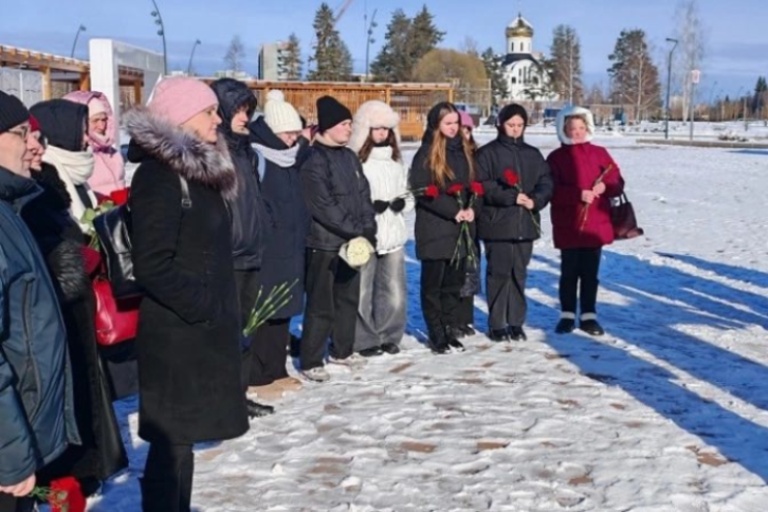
341, 10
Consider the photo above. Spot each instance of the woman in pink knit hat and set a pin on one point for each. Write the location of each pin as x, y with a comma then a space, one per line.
188, 342
108, 170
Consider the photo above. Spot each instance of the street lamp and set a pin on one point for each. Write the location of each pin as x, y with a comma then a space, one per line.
192, 56
669, 83
81, 28
369, 40
159, 22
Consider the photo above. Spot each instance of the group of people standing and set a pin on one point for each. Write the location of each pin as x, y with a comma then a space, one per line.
225, 207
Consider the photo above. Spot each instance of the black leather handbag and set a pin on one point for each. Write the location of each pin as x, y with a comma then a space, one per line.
113, 229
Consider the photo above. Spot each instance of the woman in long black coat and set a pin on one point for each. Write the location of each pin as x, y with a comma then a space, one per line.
189, 334
276, 135
445, 159
61, 241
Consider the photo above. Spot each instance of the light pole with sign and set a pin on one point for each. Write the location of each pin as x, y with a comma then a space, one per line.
695, 78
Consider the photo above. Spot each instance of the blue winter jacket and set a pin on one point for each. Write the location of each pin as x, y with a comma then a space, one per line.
36, 409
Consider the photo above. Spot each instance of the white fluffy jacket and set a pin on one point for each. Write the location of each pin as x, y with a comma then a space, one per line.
388, 180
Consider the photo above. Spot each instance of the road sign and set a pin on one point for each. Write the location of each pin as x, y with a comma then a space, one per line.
695, 76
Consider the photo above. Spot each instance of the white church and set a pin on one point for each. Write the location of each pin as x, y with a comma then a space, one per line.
522, 66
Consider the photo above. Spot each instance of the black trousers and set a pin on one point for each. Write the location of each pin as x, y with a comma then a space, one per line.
506, 275
167, 482
333, 296
8, 503
578, 271
247, 283
466, 311
269, 353
441, 284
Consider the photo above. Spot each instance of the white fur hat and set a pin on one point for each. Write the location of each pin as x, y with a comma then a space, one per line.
279, 115
372, 114
574, 111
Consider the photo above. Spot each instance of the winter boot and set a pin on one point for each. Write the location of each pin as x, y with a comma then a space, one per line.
437, 342
516, 333
567, 323
451, 338
498, 335
589, 325
256, 410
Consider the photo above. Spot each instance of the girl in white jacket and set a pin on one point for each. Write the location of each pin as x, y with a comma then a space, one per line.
382, 312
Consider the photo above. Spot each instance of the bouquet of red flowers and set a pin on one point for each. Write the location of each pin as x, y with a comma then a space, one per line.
511, 179
430, 191
465, 238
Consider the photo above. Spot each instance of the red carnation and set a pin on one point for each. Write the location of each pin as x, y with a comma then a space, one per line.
511, 178
431, 191
477, 188
455, 189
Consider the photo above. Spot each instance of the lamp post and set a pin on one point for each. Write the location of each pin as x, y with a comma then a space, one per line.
669, 84
192, 56
369, 40
159, 22
81, 28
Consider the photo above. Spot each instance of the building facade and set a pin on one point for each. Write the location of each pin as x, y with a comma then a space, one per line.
270, 59
522, 66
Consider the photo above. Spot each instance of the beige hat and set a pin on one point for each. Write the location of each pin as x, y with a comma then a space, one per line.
279, 115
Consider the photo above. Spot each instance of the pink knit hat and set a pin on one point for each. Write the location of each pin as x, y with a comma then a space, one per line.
177, 99
466, 120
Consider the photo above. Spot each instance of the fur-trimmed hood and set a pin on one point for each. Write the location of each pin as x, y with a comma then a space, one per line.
185, 154
574, 111
372, 114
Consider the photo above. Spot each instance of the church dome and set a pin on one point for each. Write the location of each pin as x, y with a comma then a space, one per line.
519, 27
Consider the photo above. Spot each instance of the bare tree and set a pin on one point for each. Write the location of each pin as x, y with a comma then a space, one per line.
470, 46
692, 40
235, 55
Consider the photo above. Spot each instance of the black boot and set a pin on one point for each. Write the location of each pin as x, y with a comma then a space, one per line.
390, 348
591, 327
565, 326
437, 342
498, 335
466, 330
256, 410
516, 333
451, 338
371, 352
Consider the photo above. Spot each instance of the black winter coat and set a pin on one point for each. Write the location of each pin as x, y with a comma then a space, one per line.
338, 196
60, 239
188, 341
437, 231
249, 220
37, 418
501, 218
285, 242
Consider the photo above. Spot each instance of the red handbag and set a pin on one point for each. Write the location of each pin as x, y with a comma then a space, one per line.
117, 320
624, 220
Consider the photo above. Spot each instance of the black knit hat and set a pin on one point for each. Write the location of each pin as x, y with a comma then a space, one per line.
62, 123
12, 112
508, 112
330, 113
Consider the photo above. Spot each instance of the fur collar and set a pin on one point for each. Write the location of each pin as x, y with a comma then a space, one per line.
185, 154
574, 111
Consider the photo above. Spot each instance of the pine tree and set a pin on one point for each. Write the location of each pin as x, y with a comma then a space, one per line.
423, 36
758, 101
634, 76
493, 69
333, 62
564, 64
291, 60
235, 55
393, 64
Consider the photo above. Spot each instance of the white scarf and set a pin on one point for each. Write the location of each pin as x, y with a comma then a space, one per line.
281, 157
74, 168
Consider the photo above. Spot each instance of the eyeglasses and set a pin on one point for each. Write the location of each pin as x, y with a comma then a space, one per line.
21, 132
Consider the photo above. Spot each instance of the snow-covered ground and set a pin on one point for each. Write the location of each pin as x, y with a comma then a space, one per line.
667, 412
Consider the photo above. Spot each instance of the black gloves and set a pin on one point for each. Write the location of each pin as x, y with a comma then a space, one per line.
380, 206
370, 235
397, 205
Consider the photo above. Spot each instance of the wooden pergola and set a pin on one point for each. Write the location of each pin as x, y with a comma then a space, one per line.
55, 68
411, 101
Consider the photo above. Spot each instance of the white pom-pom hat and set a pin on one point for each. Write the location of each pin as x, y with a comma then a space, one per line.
279, 115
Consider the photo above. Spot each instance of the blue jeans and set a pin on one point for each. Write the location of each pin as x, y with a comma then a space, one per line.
381, 316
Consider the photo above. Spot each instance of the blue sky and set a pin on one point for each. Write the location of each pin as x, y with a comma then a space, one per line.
738, 47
